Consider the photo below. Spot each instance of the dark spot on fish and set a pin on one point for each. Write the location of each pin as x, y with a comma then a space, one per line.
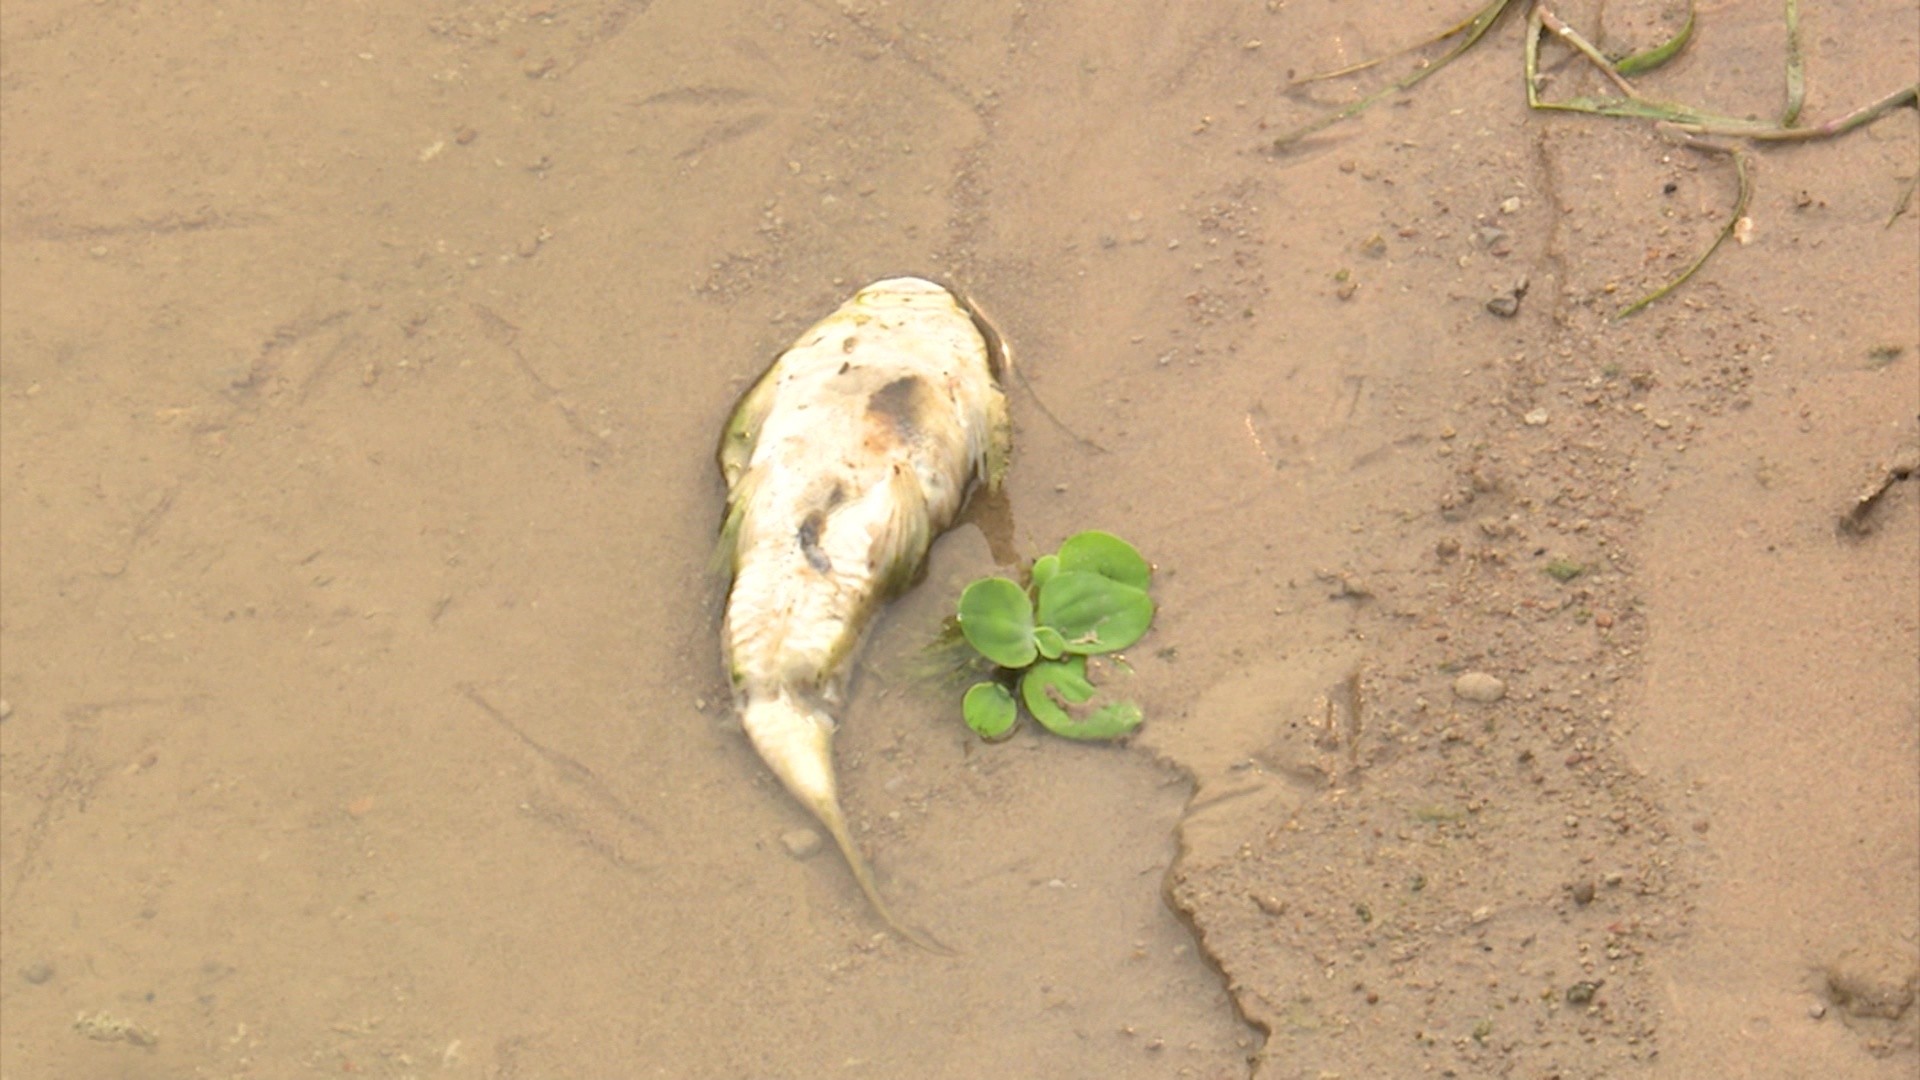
901, 402
844, 368
848, 345
810, 543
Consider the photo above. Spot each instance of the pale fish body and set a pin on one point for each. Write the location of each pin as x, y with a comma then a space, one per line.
856, 448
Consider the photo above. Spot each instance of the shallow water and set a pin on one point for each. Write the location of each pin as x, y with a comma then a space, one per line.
359, 373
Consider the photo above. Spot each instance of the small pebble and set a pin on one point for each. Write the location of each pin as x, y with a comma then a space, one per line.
1479, 686
1583, 893
1537, 418
801, 843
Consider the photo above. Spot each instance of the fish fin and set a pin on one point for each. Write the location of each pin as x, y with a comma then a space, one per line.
895, 555
726, 548
900, 546
742, 432
735, 455
999, 448
999, 440
999, 353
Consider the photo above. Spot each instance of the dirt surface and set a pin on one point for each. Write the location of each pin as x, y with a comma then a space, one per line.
1517, 705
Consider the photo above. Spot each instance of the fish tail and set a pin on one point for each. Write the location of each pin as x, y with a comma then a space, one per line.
796, 741
836, 822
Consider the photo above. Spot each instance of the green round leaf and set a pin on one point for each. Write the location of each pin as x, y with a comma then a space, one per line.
990, 711
1050, 683
1107, 555
997, 619
1044, 567
1054, 690
1109, 721
1094, 613
1049, 641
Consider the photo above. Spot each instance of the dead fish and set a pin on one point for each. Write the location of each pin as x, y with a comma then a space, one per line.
843, 462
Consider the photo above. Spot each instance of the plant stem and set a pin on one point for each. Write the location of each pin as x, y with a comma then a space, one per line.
1866, 114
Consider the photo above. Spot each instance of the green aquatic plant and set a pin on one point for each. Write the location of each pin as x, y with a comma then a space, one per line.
1089, 599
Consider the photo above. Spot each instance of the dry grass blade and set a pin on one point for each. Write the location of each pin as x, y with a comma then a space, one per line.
1666, 116
1475, 30
1745, 175
1683, 118
1693, 122
1635, 105
1354, 69
1585, 48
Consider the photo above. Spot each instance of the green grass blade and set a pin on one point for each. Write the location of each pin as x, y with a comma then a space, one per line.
1354, 69
1733, 221
1663, 52
1796, 68
1645, 109
1532, 57
1477, 29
